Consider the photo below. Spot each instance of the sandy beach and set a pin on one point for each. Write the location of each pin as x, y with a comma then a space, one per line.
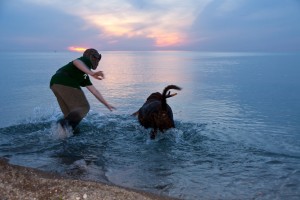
17, 182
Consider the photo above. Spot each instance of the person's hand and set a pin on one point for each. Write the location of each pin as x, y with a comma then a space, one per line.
110, 107
98, 75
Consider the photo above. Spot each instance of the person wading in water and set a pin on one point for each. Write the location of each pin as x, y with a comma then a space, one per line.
66, 85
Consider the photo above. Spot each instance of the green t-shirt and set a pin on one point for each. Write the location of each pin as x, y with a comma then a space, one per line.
70, 75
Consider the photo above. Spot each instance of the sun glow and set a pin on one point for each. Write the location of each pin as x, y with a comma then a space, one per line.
169, 39
160, 23
130, 28
77, 49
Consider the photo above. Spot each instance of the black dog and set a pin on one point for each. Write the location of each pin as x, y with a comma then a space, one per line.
156, 113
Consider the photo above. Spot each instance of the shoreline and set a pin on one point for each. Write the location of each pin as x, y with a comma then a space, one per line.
18, 182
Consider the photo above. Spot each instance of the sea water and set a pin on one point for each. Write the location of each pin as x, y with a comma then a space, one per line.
237, 120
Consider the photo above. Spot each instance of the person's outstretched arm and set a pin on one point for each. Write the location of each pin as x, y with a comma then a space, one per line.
98, 95
80, 65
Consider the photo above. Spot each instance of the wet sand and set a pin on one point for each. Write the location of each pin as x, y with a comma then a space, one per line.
18, 182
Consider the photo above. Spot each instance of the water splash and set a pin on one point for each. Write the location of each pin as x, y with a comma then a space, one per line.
181, 162
59, 132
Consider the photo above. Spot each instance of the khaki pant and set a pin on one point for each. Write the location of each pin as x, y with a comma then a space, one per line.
72, 102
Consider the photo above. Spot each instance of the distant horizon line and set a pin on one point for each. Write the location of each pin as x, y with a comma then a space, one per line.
203, 51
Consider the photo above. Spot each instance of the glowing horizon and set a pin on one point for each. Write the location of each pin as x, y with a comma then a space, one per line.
77, 48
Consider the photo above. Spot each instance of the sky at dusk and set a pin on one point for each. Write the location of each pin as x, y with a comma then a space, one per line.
200, 25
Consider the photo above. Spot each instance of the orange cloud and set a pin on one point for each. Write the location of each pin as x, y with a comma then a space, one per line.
76, 49
163, 34
165, 22
167, 39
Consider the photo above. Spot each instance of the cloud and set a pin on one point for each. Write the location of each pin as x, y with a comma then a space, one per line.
228, 6
38, 27
247, 26
213, 25
164, 22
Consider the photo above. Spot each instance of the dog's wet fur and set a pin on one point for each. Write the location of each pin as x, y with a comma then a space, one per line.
156, 113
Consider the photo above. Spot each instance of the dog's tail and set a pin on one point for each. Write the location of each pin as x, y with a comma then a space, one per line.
166, 94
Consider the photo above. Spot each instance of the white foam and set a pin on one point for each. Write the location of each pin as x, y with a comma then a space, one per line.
59, 132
